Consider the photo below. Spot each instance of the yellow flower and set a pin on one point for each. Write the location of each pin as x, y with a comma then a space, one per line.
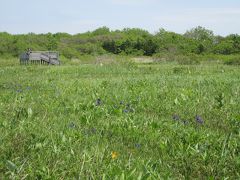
114, 155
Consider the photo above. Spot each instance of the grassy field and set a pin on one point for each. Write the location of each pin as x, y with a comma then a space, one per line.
121, 120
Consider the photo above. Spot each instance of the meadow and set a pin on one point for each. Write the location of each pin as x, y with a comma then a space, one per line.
121, 120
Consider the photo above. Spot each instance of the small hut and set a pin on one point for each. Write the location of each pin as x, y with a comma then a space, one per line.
40, 57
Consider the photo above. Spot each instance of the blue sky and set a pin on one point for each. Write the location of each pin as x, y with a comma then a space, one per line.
75, 16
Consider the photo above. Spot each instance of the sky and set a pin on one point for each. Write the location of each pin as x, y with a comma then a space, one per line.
77, 16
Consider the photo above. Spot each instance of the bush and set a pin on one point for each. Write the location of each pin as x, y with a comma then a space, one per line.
163, 57
233, 61
188, 60
180, 59
91, 49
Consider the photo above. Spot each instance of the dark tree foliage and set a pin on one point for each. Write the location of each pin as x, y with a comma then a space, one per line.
129, 41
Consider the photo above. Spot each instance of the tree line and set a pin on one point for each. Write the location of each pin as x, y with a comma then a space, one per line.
129, 41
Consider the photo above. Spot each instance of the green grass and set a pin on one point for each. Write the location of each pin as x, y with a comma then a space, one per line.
51, 127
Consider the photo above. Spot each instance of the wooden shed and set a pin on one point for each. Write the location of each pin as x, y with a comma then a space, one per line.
40, 57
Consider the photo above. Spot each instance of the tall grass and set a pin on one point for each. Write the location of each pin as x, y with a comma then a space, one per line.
120, 120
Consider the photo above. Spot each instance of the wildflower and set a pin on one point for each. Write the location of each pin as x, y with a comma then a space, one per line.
199, 120
128, 109
93, 130
115, 106
185, 122
114, 155
71, 125
19, 90
175, 117
138, 145
98, 102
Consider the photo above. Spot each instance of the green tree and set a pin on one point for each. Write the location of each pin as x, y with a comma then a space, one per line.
51, 42
101, 31
200, 33
225, 47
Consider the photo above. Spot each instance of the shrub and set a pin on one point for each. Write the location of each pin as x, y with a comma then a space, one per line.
187, 60
233, 61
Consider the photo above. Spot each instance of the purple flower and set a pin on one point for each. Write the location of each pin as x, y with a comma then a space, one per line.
138, 145
185, 122
98, 102
199, 120
128, 109
176, 117
19, 90
71, 125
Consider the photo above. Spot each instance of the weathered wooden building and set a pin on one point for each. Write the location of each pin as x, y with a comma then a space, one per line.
40, 57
